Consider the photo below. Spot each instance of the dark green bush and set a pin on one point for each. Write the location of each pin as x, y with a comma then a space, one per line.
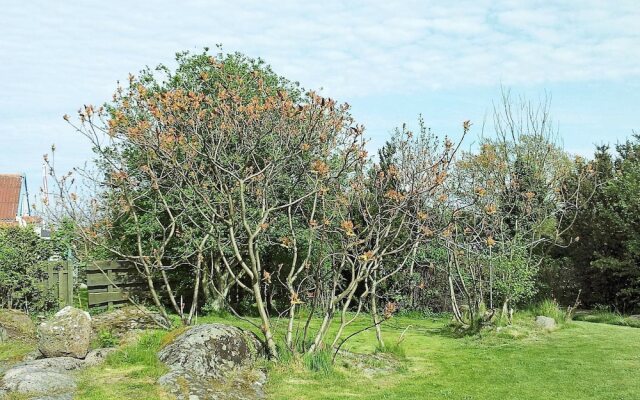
23, 258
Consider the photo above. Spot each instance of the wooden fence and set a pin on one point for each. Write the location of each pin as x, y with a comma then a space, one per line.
113, 283
60, 280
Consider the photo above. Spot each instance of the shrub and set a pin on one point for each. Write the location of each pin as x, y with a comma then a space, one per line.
23, 255
212, 309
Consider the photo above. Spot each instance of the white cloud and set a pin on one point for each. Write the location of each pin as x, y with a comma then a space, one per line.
58, 55
356, 49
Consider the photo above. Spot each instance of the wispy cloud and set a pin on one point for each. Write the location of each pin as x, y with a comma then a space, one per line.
58, 55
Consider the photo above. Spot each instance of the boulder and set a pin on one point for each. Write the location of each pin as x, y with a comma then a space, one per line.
545, 322
213, 361
68, 333
17, 325
122, 321
48, 376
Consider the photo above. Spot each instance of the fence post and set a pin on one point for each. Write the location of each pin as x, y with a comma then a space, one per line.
69, 283
110, 288
51, 279
62, 290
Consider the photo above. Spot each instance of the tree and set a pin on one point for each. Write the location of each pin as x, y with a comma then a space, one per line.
206, 161
512, 203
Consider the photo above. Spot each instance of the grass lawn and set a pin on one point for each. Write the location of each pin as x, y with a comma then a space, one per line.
579, 361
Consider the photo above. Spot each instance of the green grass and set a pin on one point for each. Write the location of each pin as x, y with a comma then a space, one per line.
580, 361
577, 361
396, 349
607, 317
13, 351
549, 308
131, 372
321, 362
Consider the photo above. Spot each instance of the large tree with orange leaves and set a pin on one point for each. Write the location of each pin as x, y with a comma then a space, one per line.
209, 163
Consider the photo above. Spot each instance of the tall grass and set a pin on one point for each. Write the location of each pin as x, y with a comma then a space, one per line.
549, 308
319, 361
395, 349
605, 316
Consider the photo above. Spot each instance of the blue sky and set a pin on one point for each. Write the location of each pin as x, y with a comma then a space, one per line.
391, 60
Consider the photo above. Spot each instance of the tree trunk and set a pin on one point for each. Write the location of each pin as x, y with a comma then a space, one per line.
505, 310
264, 317
374, 314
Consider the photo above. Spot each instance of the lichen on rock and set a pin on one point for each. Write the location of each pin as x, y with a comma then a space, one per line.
213, 361
68, 333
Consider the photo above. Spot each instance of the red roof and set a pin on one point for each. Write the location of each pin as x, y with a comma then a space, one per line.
10, 186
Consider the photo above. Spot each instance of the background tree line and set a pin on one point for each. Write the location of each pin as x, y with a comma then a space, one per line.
603, 264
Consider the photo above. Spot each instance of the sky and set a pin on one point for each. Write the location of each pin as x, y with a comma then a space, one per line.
390, 60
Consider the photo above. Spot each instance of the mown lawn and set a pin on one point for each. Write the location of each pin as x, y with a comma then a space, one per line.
579, 361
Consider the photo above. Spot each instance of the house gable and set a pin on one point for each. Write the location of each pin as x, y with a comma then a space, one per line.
10, 195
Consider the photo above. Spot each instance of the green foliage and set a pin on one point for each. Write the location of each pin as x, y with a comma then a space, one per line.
515, 273
211, 308
23, 257
604, 260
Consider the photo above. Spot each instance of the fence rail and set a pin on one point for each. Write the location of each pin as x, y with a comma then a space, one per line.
113, 283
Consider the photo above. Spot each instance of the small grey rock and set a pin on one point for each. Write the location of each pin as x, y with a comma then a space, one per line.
96, 357
545, 322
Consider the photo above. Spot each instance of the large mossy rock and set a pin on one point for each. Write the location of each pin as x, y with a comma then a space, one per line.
67, 334
123, 321
213, 361
17, 325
